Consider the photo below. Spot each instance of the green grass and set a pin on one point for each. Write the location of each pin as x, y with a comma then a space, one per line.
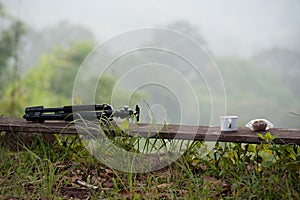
230, 171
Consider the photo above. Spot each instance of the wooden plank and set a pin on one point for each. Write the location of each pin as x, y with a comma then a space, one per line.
18, 125
204, 133
181, 132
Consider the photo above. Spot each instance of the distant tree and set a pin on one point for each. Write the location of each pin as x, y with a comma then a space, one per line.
254, 92
10, 39
61, 35
49, 83
55, 73
188, 29
285, 62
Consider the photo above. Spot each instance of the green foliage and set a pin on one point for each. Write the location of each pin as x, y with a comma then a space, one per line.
105, 88
10, 41
230, 170
65, 64
55, 73
268, 137
12, 102
253, 169
50, 82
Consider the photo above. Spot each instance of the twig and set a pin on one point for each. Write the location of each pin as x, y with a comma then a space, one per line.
84, 184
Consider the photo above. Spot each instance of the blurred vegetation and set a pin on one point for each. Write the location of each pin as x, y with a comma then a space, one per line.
50, 81
39, 68
255, 91
12, 31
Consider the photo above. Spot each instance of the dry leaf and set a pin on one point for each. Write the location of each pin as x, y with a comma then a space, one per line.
109, 184
164, 185
97, 180
108, 172
215, 182
74, 178
125, 194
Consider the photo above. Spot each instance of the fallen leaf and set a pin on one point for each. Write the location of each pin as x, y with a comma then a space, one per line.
74, 178
215, 182
97, 180
164, 185
109, 184
125, 194
108, 172
165, 196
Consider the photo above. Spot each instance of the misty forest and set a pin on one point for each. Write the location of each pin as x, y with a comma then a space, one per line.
39, 67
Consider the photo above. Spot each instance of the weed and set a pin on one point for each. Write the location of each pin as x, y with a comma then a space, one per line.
65, 169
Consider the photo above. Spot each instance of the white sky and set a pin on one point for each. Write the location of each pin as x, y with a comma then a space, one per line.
229, 27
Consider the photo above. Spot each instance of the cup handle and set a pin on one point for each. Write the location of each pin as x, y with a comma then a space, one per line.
229, 123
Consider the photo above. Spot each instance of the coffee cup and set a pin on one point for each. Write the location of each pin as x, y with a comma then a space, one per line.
229, 123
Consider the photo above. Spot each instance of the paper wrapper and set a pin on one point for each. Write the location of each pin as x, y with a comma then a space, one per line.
259, 125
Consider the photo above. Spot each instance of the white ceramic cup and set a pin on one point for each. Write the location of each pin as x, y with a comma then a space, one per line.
229, 123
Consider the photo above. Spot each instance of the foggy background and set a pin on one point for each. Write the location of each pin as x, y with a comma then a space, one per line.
256, 44
229, 27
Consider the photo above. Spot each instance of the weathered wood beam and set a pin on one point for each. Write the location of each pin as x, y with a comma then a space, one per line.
171, 131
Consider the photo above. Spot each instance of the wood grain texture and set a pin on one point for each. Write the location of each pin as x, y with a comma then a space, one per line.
171, 131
